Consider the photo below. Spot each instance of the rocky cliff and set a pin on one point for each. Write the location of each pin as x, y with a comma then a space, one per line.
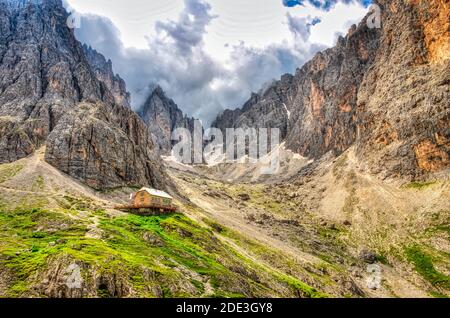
263, 110
387, 90
104, 71
403, 101
163, 116
51, 96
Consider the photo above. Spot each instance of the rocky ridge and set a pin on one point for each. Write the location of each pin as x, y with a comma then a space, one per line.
51, 96
104, 71
163, 116
385, 90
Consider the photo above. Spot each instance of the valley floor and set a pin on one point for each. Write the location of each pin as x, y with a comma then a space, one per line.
328, 230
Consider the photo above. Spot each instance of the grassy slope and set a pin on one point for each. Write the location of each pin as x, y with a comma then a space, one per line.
45, 228
337, 211
131, 256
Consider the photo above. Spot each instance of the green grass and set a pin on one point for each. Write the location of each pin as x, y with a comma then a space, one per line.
444, 228
199, 285
300, 288
100, 213
215, 226
25, 237
8, 171
423, 264
418, 185
381, 258
81, 204
303, 289
181, 240
38, 184
25, 250
130, 247
437, 295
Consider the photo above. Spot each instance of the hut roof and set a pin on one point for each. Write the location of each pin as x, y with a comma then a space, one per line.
157, 193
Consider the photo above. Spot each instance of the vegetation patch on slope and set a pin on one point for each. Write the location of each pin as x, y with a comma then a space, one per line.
8, 171
423, 264
136, 256
418, 185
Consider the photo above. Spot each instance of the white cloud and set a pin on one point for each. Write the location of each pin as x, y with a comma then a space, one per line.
135, 19
208, 55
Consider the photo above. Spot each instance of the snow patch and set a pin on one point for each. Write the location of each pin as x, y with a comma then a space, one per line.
287, 111
173, 159
214, 158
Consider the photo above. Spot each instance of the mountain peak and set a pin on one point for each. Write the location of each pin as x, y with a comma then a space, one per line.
355, 94
103, 69
162, 116
159, 91
54, 87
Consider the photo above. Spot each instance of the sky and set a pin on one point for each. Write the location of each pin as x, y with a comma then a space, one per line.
210, 55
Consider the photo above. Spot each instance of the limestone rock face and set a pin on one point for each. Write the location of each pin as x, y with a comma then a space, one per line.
104, 71
324, 108
267, 109
315, 109
51, 96
404, 98
40, 71
385, 90
105, 147
163, 116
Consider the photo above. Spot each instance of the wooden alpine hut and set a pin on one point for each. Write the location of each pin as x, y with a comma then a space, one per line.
149, 201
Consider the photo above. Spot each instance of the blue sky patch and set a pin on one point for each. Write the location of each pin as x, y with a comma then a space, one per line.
316, 21
292, 3
322, 4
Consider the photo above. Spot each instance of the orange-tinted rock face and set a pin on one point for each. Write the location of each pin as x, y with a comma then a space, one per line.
430, 157
318, 63
362, 51
387, 135
317, 100
384, 90
406, 92
328, 135
345, 105
435, 22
